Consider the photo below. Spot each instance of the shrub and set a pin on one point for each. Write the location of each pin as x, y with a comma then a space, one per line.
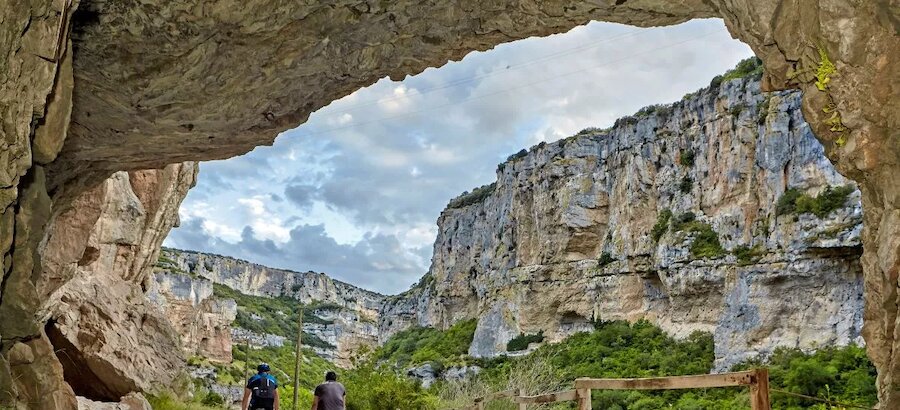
522, 341
747, 255
662, 225
477, 195
686, 158
748, 67
715, 82
686, 184
736, 110
795, 202
706, 243
605, 259
590, 131
521, 154
763, 109
212, 399
682, 221
423, 344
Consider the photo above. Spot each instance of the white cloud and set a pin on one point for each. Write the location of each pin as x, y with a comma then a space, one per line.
366, 177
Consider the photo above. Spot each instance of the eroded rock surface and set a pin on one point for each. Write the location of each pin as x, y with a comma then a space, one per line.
564, 237
349, 314
162, 82
202, 320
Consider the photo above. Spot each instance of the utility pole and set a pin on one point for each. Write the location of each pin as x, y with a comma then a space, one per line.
247, 357
297, 360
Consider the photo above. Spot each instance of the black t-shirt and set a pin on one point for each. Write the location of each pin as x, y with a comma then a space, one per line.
259, 383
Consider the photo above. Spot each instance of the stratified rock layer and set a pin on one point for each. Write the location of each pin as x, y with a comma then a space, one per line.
564, 238
353, 312
153, 83
202, 321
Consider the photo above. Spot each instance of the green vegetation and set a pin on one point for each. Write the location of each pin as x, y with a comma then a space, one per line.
747, 255
522, 341
277, 316
605, 259
169, 401
477, 195
590, 131
793, 201
686, 158
748, 67
427, 345
372, 387
736, 110
686, 184
763, 109
619, 349
662, 224
824, 71
706, 241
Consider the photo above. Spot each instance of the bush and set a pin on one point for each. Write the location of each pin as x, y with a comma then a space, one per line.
746, 255
795, 202
682, 221
686, 158
477, 195
522, 341
521, 154
662, 225
605, 259
212, 399
748, 67
423, 344
686, 184
706, 243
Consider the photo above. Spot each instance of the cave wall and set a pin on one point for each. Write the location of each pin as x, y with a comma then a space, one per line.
155, 83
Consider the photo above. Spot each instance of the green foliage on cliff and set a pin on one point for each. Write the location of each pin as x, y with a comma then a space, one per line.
748, 67
706, 243
428, 345
662, 224
277, 316
522, 341
686, 158
469, 198
793, 201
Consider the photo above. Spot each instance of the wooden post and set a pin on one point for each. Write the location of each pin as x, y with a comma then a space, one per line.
247, 358
759, 391
522, 406
584, 399
297, 360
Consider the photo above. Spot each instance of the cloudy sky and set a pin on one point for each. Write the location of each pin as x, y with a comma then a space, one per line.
355, 191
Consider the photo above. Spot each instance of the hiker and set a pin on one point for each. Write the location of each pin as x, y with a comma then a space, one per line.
329, 395
261, 392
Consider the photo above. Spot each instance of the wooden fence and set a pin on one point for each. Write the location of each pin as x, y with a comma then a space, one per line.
757, 380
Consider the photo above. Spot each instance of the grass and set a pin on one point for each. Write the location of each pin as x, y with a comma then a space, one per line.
794, 201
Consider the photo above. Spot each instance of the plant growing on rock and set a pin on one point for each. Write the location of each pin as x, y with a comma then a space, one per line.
793, 201
662, 224
522, 341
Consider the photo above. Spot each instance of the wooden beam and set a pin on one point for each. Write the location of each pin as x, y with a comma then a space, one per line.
759, 391
568, 395
522, 406
584, 399
745, 378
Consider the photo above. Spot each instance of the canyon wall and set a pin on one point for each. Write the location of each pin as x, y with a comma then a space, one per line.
88, 88
202, 321
565, 236
349, 315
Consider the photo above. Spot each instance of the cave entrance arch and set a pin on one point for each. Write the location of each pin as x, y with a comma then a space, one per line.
160, 83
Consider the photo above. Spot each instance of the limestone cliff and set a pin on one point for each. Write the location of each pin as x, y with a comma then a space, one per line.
348, 314
566, 234
95, 261
202, 321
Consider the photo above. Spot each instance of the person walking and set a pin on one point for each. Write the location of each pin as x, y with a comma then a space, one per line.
329, 395
261, 392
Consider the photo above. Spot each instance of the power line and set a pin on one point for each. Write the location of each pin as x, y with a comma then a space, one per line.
530, 84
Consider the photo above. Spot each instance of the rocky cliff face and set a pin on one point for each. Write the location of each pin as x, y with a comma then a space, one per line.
350, 314
566, 237
202, 321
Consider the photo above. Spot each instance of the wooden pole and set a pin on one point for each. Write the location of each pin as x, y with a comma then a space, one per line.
247, 357
297, 359
759, 391
584, 399
522, 406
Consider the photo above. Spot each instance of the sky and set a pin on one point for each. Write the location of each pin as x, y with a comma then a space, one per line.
356, 191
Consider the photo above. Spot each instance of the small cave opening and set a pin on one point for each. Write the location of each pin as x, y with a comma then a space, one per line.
78, 373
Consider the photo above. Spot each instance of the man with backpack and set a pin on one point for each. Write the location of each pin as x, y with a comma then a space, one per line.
262, 391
